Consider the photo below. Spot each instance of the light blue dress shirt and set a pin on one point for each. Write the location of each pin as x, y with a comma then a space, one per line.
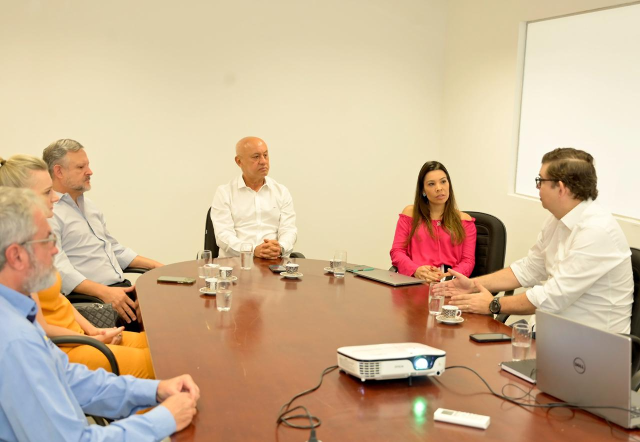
87, 249
44, 397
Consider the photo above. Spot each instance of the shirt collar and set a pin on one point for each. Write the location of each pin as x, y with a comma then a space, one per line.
575, 215
241, 183
23, 304
66, 198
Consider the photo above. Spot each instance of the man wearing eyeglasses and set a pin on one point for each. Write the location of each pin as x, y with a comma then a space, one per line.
42, 395
580, 266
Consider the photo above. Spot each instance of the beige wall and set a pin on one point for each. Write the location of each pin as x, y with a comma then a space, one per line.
352, 97
346, 93
479, 112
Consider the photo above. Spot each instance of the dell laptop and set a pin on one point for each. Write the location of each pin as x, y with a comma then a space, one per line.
586, 366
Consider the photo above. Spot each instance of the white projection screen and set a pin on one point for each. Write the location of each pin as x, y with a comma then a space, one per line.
581, 88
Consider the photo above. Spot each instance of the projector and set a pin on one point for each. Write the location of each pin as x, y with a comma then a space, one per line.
391, 361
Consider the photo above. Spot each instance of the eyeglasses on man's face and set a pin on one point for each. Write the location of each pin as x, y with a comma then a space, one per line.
539, 181
51, 238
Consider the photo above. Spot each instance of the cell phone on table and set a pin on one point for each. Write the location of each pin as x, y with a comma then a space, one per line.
176, 279
490, 337
276, 268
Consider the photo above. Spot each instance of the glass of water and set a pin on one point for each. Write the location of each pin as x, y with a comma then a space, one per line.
223, 295
520, 341
435, 302
204, 258
246, 256
339, 263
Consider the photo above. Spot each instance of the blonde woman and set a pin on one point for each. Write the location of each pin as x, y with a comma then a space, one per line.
56, 314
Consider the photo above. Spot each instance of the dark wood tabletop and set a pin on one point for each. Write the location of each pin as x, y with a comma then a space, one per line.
281, 334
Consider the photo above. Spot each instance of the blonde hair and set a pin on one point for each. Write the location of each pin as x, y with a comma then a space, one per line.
16, 171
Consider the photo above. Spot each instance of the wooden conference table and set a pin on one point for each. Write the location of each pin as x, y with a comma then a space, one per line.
280, 334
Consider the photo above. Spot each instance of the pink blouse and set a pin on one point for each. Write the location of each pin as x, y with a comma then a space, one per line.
425, 250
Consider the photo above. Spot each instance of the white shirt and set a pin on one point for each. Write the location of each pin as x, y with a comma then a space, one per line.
580, 268
86, 248
240, 215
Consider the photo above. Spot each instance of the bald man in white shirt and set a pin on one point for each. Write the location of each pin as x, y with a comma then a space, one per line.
580, 266
254, 208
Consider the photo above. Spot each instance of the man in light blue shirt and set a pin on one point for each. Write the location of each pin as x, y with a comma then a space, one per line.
42, 395
91, 261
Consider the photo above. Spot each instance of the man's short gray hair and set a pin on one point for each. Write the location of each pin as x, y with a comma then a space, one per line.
17, 222
56, 152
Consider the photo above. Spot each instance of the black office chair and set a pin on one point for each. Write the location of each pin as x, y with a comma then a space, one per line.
85, 340
210, 239
74, 297
635, 319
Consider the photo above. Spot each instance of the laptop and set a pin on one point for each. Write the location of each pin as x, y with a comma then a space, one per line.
388, 277
586, 366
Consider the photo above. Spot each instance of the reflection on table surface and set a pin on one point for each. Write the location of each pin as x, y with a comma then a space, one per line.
281, 333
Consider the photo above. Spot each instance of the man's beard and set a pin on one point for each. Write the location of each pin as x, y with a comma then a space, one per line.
40, 277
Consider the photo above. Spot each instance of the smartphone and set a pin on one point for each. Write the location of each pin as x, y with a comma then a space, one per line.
275, 268
176, 279
490, 337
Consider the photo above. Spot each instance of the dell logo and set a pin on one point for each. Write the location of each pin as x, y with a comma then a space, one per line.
579, 366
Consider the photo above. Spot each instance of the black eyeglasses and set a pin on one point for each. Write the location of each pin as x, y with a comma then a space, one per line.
539, 181
51, 238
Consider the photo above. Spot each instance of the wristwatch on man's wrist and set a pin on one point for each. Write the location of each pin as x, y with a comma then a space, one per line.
281, 251
494, 306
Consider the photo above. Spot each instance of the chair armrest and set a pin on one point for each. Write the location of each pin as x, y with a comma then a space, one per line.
75, 298
137, 270
297, 255
85, 340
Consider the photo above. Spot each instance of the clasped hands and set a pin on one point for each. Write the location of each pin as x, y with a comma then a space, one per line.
180, 396
269, 249
467, 294
429, 273
111, 336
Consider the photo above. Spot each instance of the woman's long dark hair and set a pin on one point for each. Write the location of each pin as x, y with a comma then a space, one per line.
422, 214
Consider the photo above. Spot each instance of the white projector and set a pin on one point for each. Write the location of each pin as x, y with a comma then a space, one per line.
391, 361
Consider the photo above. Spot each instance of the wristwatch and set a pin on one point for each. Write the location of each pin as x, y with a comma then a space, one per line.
494, 306
281, 251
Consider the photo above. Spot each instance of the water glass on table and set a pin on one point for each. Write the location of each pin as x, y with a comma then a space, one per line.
520, 341
435, 302
223, 295
339, 263
205, 259
246, 256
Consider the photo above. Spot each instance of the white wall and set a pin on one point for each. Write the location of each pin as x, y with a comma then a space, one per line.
346, 93
351, 96
479, 113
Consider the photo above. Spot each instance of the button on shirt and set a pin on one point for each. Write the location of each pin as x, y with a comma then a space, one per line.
580, 268
240, 214
87, 249
44, 397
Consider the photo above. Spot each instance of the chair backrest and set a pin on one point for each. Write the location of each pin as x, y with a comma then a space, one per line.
635, 312
491, 244
210, 236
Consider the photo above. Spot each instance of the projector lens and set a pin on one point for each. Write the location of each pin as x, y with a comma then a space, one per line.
420, 363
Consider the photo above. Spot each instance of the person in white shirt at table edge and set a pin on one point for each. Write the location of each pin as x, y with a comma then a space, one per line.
90, 260
254, 208
580, 266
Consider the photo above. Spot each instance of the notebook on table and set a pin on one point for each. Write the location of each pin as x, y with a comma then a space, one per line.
387, 277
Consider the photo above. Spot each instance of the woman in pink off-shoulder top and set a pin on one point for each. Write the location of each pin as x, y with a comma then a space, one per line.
433, 233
